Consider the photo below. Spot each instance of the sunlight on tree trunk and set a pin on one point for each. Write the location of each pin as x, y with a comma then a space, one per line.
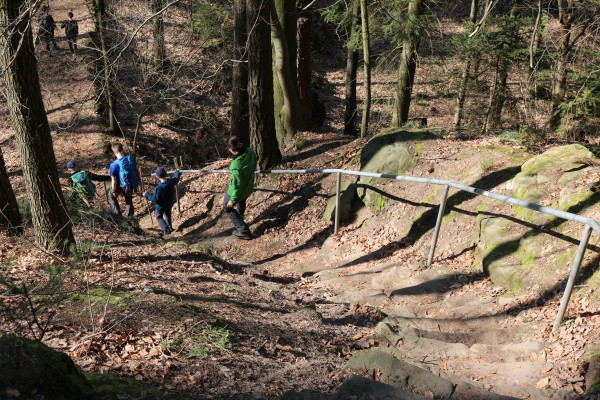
350, 109
305, 64
159, 53
97, 10
465, 76
51, 224
289, 116
364, 13
239, 109
408, 64
260, 85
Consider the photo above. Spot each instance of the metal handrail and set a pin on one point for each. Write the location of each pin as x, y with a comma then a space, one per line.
589, 223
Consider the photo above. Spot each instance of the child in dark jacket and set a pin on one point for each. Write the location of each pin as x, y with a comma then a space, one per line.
164, 199
240, 187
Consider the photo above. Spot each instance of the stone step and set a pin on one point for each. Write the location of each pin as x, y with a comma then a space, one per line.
468, 332
476, 380
417, 344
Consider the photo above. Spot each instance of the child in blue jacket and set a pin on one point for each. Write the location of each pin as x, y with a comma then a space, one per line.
164, 199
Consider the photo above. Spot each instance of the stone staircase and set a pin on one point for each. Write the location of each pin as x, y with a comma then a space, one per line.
445, 336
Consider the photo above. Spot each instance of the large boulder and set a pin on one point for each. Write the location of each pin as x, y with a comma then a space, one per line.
32, 370
347, 198
529, 249
388, 152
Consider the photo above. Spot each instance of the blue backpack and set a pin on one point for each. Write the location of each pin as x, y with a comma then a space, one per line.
128, 173
82, 183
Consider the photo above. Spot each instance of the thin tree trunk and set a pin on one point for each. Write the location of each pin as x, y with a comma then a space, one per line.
288, 109
351, 69
9, 209
465, 76
98, 12
499, 92
159, 53
239, 109
559, 91
364, 14
305, 63
408, 64
51, 224
260, 85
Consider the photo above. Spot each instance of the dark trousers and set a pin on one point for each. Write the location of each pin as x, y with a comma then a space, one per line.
72, 40
114, 202
163, 217
236, 214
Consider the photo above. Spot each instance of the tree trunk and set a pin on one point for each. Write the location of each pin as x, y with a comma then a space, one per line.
51, 224
351, 68
97, 10
159, 53
364, 13
239, 106
498, 93
260, 85
464, 81
559, 91
9, 209
305, 63
408, 64
288, 109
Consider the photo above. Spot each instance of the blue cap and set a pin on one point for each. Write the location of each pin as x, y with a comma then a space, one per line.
71, 165
160, 172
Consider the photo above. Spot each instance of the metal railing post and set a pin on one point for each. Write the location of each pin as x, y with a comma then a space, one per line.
564, 302
438, 225
336, 224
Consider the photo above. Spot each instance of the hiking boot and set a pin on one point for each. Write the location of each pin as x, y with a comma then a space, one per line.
242, 235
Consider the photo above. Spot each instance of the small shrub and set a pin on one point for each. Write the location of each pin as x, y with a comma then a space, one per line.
24, 208
487, 164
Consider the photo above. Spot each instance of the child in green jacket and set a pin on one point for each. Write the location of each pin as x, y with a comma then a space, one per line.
241, 185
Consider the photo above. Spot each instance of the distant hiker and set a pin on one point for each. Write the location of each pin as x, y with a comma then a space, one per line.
46, 29
241, 185
164, 198
71, 32
81, 180
124, 178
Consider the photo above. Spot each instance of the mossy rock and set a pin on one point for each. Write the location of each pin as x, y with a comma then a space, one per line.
305, 395
592, 376
388, 152
32, 370
347, 198
512, 253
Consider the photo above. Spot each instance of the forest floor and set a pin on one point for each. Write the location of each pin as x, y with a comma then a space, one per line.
201, 315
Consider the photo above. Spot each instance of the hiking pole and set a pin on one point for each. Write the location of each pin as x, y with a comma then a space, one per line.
106, 193
177, 186
147, 202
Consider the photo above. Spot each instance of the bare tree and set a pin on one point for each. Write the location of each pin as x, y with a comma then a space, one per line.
51, 223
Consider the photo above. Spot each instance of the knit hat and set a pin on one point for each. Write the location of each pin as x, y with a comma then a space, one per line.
160, 172
71, 165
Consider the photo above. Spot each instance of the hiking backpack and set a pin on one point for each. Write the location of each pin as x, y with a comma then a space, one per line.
128, 173
82, 182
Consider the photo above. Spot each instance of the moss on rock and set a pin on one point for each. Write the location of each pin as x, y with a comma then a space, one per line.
388, 152
31, 370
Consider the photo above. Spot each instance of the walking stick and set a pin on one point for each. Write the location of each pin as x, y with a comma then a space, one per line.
177, 186
147, 202
106, 193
